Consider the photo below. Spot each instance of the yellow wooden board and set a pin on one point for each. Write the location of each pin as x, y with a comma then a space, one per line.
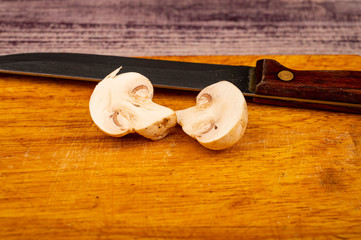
296, 173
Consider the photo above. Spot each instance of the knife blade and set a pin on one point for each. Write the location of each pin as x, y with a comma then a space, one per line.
268, 82
88, 67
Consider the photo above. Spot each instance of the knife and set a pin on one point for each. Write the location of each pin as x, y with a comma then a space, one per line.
268, 82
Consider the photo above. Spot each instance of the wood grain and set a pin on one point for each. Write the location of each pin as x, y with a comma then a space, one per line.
163, 27
295, 174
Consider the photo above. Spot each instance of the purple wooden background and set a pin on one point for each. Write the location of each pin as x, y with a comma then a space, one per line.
182, 27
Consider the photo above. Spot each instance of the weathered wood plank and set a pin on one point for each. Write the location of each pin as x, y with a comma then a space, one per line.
213, 27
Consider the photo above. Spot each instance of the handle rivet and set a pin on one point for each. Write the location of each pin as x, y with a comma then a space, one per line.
285, 75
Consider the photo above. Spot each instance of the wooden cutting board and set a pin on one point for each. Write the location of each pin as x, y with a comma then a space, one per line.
296, 173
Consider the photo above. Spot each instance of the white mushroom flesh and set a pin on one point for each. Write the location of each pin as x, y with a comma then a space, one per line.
219, 118
122, 104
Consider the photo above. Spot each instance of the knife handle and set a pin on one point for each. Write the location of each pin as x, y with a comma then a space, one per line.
326, 90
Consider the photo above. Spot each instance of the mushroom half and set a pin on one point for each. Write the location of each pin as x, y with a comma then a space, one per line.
122, 104
219, 118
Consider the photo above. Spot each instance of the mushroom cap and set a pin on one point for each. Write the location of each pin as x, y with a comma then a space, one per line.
122, 104
219, 118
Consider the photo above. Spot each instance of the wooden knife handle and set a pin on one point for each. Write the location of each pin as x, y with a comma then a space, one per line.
327, 90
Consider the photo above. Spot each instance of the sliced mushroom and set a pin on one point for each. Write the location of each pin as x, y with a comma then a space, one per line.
122, 104
219, 118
